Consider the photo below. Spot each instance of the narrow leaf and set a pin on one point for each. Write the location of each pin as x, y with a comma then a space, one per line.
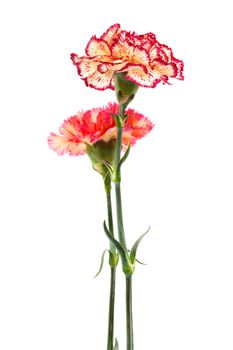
138, 261
117, 119
117, 245
125, 156
116, 346
135, 246
101, 262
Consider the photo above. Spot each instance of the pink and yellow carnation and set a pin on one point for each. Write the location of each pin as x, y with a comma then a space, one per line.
87, 128
143, 58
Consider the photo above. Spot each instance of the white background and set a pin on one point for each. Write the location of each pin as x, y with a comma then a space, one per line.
178, 180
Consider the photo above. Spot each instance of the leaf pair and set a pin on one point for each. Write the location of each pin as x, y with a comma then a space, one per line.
128, 258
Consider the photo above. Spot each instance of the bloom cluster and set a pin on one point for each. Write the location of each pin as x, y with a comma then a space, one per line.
89, 127
143, 59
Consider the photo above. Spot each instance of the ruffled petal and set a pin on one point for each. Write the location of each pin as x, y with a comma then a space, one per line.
140, 56
100, 81
142, 78
119, 50
154, 53
87, 67
74, 58
77, 149
160, 69
97, 47
58, 143
165, 53
111, 33
70, 126
136, 127
180, 68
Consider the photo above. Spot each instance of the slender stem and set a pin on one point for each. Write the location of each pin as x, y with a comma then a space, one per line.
120, 223
109, 208
121, 235
110, 340
129, 313
111, 309
118, 145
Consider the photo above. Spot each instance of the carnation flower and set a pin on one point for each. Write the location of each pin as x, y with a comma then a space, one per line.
89, 127
94, 132
143, 59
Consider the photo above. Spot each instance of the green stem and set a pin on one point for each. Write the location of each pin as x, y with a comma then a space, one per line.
109, 208
121, 233
110, 340
120, 223
129, 313
118, 146
111, 309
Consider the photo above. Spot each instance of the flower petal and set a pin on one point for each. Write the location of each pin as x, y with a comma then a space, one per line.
165, 53
58, 143
119, 50
180, 68
70, 126
86, 67
74, 58
140, 77
160, 68
97, 47
77, 149
100, 81
111, 33
140, 56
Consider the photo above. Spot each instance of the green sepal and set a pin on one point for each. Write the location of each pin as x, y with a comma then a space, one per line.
102, 155
116, 346
133, 251
125, 89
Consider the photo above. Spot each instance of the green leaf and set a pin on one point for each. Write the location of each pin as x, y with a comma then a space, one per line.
117, 245
117, 119
101, 262
138, 261
116, 346
135, 246
125, 156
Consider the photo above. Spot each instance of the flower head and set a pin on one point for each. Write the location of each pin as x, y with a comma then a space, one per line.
88, 128
143, 59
